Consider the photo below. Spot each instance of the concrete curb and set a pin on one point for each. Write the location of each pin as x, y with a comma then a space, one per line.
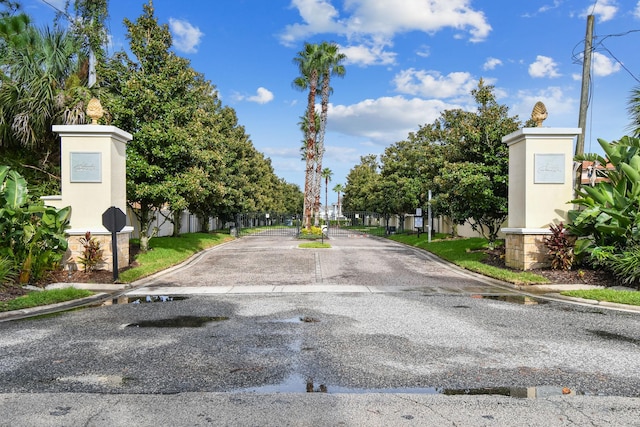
53, 308
109, 291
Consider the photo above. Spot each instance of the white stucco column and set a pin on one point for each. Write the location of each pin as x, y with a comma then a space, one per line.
93, 179
540, 187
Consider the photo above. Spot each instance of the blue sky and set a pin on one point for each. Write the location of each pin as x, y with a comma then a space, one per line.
407, 60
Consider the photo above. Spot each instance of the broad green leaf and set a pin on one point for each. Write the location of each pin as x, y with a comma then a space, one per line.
15, 190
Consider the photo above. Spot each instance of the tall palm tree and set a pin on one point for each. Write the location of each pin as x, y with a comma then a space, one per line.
42, 86
338, 188
308, 62
330, 65
326, 174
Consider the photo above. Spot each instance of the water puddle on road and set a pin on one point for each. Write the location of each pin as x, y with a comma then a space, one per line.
297, 384
298, 319
177, 322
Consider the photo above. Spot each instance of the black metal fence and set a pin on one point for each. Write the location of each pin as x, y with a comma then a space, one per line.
349, 224
267, 224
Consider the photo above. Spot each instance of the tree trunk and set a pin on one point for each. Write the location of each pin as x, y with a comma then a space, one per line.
309, 196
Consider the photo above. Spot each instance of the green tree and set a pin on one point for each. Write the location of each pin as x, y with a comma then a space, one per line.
308, 62
359, 192
330, 63
338, 188
472, 185
157, 97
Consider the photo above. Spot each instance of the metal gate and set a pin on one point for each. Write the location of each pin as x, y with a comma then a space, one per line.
359, 224
267, 224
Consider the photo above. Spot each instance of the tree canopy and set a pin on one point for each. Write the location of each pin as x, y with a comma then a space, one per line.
460, 157
188, 151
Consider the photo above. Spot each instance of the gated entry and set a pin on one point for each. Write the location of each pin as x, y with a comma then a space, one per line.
353, 224
350, 224
267, 224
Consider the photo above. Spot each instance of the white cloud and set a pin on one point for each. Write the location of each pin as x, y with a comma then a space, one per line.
319, 17
384, 120
491, 64
603, 65
605, 9
424, 51
432, 84
365, 18
547, 7
186, 37
636, 12
262, 96
544, 67
368, 55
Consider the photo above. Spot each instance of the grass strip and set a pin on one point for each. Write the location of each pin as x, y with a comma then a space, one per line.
165, 252
610, 295
468, 253
314, 245
38, 298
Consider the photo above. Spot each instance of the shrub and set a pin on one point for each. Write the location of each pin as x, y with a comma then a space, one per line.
31, 235
91, 254
560, 248
312, 233
609, 210
7, 271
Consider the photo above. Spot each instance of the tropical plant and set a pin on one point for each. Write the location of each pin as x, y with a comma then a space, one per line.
31, 235
560, 248
330, 65
316, 64
91, 253
608, 216
43, 86
7, 271
326, 174
338, 188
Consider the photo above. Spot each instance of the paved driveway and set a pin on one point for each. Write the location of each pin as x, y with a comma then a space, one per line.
382, 335
354, 262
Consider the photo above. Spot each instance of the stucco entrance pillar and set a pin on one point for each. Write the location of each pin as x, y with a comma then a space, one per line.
93, 179
540, 187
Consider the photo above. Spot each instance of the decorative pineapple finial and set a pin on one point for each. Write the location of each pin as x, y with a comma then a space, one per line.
94, 110
539, 113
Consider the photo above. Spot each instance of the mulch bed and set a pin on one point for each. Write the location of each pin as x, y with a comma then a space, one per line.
580, 275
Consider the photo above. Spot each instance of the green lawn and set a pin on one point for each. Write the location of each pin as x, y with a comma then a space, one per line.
609, 295
314, 245
38, 298
468, 254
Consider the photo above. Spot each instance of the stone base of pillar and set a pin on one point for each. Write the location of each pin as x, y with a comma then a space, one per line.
525, 248
76, 249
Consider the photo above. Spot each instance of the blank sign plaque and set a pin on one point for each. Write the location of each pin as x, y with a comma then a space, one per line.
549, 169
86, 167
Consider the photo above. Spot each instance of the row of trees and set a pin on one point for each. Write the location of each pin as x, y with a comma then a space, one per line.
188, 150
460, 157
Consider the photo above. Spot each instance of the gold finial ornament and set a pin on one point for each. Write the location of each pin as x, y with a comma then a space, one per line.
94, 110
539, 113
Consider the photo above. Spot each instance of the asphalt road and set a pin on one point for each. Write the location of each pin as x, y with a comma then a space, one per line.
366, 333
